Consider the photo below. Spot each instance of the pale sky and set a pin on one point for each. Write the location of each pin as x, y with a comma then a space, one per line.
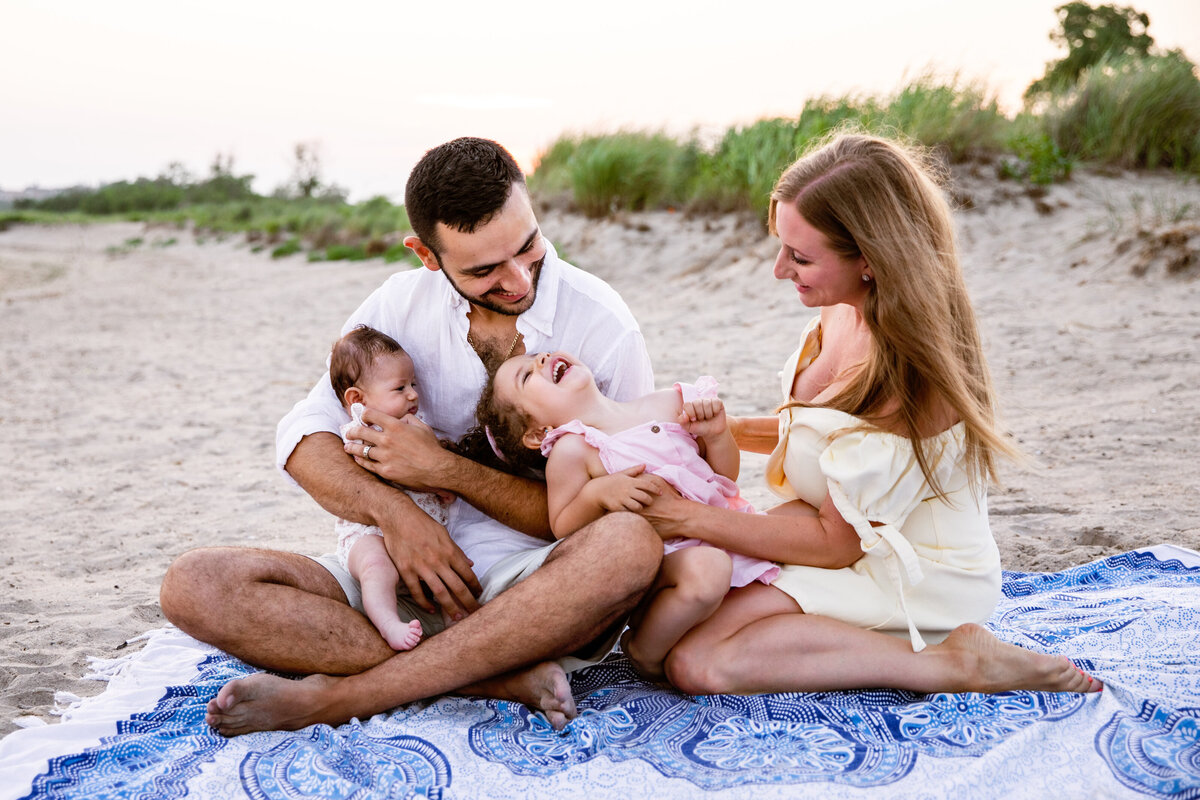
96, 92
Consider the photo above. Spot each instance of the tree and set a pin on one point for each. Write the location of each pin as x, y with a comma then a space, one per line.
1089, 35
306, 171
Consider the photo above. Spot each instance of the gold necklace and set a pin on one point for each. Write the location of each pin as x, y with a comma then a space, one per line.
475, 345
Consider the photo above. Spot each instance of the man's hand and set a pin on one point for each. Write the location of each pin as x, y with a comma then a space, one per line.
627, 490
405, 452
424, 553
704, 417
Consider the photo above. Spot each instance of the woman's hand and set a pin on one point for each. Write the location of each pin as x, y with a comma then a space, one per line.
668, 511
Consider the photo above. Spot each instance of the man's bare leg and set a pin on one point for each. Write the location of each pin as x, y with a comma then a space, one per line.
543, 687
276, 610
594, 579
284, 612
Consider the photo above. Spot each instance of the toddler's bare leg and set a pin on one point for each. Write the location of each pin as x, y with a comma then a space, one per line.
371, 566
689, 588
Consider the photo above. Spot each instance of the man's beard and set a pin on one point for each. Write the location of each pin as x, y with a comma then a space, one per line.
535, 273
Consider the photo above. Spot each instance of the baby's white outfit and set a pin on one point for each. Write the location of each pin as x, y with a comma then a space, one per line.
350, 532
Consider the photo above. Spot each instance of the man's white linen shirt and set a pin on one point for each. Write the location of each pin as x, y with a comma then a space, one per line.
574, 312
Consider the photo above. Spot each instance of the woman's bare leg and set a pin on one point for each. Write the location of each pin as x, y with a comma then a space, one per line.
754, 643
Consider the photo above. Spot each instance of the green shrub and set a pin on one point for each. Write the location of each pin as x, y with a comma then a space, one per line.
345, 252
1132, 112
551, 174
740, 173
398, 252
627, 170
288, 248
962, 120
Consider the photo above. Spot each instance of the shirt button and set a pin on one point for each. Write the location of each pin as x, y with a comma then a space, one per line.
654, 429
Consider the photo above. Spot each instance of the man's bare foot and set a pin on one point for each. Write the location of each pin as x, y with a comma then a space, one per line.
263, 702
543, 687
401, 635
990, 665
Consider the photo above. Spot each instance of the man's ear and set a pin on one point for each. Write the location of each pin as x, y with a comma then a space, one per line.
424, 253
353, 395
533, 438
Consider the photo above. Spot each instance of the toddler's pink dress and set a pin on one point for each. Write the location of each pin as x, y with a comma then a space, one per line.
671, 452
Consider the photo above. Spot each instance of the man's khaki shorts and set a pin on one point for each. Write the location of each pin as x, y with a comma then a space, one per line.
504, 574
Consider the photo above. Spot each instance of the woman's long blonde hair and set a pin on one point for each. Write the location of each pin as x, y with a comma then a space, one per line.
875, 198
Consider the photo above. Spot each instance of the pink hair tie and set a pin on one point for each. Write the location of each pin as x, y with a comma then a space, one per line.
492, 441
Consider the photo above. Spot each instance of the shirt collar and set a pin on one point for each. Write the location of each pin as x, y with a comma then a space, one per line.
540, 317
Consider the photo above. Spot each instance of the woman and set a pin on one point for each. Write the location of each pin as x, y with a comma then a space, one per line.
883, 446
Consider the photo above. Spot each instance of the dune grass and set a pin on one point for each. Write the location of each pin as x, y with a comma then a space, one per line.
630, 170
1129, 112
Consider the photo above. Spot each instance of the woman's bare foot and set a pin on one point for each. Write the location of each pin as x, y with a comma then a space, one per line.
263, 702
990, 665
543, 687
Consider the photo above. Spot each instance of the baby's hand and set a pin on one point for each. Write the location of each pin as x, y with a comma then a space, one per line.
627, 490
704, 417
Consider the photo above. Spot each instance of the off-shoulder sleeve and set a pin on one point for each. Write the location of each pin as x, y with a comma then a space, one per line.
876, 483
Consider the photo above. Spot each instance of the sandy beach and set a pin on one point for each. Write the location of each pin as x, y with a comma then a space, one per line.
143, 381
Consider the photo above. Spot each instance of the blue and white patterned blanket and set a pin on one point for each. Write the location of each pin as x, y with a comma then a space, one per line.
1133, 620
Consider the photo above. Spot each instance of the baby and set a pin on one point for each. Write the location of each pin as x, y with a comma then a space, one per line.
370, 369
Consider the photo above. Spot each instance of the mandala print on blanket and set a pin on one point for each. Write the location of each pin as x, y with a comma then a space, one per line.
164, 748
854, 738
1157, 752
156, 755
332, 765
1134, 617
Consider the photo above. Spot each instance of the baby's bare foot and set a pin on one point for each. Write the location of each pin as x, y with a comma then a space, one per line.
401, 635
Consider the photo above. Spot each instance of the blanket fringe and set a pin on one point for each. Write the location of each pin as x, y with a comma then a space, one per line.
65, 703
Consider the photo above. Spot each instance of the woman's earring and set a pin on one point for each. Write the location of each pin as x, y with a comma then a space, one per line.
866, 278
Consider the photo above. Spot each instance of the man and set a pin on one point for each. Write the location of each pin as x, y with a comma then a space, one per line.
505, 292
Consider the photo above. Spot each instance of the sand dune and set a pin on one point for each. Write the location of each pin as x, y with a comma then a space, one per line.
143, 383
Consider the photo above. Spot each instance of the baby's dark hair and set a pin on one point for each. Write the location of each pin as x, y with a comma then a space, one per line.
353, 355
507, 425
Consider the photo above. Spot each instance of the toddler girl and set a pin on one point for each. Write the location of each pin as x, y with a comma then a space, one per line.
545, 410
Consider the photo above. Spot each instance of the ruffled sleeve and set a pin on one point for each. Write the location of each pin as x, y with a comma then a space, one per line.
805, 354
590, 435
705, 388
874, 477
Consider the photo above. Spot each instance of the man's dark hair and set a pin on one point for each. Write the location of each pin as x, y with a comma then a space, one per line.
461, 184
